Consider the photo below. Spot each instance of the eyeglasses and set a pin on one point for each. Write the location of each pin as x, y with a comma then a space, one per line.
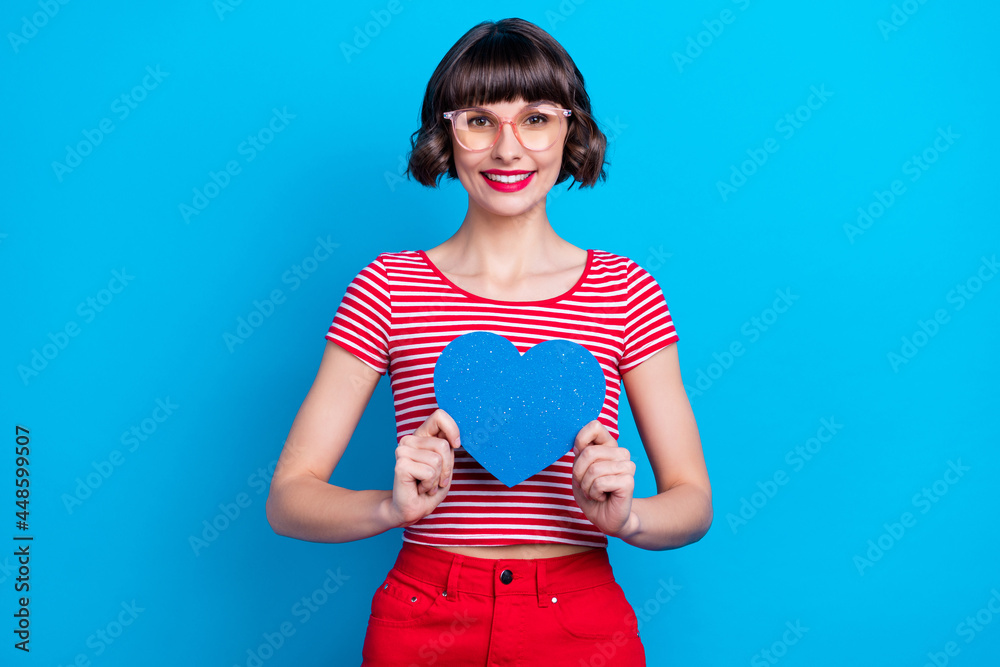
536, 127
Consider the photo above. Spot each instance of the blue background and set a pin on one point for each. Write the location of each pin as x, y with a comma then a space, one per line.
678, 129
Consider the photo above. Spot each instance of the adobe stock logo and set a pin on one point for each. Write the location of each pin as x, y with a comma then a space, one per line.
262, 310
230, 512
797, 457
372, 29
105, 468
898, 18
88, 310
565, 9
249, 148
753, 328
104, 637
38, 20
779, 649
967, 629
122, 106
303, 610
787, 125
223, 7
714, 28
926, 330
923, 500
915, 167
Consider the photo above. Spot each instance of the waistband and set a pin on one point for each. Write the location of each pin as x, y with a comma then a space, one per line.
544, 578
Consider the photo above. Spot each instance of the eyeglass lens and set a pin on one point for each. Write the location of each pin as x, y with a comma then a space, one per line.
538, 128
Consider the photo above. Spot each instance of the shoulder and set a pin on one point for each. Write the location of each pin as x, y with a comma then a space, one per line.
387, 263
399, 255
398, 260
618, 267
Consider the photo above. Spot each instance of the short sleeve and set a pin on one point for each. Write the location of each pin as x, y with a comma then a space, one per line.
648, 325
363, 320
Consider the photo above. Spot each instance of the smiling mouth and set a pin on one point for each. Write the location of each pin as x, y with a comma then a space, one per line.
498, 178
508, 182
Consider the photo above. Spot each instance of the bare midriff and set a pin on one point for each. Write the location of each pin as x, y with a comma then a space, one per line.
519, 550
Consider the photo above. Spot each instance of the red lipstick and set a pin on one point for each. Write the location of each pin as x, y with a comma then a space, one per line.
507, 187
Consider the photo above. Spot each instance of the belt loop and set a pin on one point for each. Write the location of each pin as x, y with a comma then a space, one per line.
543, 597
452, 589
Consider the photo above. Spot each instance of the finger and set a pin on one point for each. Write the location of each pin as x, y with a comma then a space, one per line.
440, 424
443, 449
447, 451
419, 472
448, 466
434, 460
616, 485
600, 469
447, 428
590, 455
592, 433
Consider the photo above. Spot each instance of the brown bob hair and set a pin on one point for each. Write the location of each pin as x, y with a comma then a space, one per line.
500, 62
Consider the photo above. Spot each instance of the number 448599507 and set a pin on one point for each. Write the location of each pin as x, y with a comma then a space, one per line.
22, 451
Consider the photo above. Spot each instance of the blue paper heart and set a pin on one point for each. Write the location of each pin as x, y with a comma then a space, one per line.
518, 414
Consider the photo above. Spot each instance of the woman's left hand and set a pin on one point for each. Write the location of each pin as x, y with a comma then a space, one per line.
603, 478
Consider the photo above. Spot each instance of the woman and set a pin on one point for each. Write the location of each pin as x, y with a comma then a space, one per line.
489, 574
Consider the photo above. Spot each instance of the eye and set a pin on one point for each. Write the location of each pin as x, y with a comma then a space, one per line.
536, 119
479, 121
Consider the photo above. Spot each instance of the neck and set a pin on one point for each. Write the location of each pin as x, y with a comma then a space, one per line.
505, 245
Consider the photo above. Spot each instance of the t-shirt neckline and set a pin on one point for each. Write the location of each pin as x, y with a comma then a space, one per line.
476, 297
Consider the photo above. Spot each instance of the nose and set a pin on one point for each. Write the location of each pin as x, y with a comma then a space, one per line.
507, 146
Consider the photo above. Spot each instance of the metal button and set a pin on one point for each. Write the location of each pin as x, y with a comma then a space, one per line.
553, 600
506, 576
413, 599
444, 593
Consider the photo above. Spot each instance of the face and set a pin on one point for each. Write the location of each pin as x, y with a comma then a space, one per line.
508, 158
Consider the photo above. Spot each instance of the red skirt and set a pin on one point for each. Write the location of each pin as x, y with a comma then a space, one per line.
440, 608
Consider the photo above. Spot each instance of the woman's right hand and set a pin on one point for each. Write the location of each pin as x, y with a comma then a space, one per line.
424, 463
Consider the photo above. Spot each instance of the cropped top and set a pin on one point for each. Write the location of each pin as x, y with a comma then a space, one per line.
400, 311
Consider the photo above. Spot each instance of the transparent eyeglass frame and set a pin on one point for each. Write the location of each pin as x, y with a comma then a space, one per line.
501, 121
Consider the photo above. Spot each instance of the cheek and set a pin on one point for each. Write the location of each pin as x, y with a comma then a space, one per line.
464, 172
553, 165
465, 167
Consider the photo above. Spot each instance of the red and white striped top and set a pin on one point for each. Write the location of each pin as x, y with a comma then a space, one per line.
398, 314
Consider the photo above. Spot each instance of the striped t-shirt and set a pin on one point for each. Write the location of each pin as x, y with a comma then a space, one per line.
400, 311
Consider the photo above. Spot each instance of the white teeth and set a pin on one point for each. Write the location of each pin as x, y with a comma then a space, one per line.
507, 179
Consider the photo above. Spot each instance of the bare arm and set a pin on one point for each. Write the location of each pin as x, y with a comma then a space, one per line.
681, 511
304, 505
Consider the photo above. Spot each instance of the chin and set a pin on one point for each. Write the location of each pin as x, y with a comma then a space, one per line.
509, 207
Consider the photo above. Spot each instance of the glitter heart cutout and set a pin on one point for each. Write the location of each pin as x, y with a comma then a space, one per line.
517, 414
